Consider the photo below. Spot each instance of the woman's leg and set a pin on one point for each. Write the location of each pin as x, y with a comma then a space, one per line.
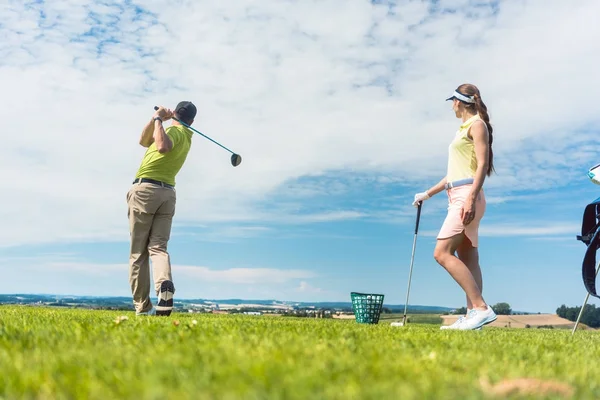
454, 236
444, 255
469, 255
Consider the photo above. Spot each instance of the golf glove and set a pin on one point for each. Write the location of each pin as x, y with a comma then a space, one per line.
420, 197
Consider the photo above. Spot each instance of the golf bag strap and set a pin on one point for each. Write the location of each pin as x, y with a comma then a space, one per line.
588, 269
590, 222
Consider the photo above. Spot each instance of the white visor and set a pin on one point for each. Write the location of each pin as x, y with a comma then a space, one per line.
462, 97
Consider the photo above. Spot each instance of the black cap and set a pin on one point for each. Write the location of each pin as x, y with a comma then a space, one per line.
186, 110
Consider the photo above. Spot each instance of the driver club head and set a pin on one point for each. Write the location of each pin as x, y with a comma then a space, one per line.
236, 159
397, 324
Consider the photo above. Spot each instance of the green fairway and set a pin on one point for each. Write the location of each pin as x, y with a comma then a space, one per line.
66, 354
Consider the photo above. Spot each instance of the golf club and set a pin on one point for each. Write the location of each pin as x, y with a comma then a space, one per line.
236, 159
412, 259
587, 297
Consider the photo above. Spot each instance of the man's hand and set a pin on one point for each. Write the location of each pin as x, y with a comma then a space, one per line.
163, 113
467, 213
164, 144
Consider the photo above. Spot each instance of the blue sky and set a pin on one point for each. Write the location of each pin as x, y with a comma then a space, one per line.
338, 111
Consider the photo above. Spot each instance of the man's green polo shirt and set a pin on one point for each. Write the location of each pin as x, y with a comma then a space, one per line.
164, 167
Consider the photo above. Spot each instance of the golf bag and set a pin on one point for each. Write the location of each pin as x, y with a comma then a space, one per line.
590, 235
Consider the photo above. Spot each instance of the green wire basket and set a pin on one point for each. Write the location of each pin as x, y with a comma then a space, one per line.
367, 307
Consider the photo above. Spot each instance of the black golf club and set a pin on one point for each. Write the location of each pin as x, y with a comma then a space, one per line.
236, 159
412, 260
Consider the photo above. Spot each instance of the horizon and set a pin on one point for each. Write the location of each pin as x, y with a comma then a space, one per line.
250, 300
338, 111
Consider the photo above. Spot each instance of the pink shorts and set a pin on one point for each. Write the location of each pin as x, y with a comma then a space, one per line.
453, 224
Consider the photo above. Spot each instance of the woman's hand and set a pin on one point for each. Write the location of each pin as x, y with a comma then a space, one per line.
468, 211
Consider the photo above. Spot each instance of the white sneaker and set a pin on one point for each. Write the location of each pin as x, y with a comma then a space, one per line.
455, 324
458, 322
478, 318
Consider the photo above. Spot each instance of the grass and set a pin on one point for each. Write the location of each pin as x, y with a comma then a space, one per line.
65, 354
434, 319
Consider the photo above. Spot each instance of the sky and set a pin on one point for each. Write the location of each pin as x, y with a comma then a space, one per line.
338, 110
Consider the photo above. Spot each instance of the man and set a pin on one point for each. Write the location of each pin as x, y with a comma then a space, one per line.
151, 202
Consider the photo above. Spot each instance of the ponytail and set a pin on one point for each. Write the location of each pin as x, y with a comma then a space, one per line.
472, 91
482, 111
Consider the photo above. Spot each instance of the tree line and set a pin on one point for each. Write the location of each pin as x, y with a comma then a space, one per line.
589, 317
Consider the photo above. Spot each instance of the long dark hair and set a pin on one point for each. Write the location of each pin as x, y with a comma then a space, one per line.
480, 107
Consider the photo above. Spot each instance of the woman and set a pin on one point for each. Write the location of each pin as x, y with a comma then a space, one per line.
470, 161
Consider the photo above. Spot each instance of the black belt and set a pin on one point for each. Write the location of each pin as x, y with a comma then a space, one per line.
159, 183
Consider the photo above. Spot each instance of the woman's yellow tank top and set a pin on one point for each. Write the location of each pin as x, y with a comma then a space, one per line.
462, 161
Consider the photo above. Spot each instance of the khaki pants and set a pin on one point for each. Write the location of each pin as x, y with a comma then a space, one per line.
150, 210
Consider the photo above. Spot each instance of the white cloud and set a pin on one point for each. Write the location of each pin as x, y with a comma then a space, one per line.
517, 230
569, 240
508, 198
305, 287
328, 216
245, 276
232, 233
296, 88
531, 229
68, 274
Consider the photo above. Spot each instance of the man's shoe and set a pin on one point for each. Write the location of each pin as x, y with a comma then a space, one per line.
165, 299
478, 318
152, 311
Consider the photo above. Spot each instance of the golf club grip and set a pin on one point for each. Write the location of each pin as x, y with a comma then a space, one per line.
156, 108
418, 217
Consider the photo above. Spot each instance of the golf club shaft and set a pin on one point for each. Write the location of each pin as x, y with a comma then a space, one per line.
186, 125
412, 259
587, 297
